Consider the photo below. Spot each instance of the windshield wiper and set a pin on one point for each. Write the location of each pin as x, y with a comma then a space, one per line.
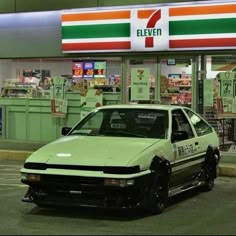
85, 134
125, 133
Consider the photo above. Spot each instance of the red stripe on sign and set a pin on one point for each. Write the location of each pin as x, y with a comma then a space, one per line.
149, 41
153, 20
96, 46
193, 43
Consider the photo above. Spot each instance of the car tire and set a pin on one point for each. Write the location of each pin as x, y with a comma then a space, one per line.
210, 170
209, 183
156, 196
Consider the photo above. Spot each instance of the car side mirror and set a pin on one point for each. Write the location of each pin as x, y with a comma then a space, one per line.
179, 135
65, 130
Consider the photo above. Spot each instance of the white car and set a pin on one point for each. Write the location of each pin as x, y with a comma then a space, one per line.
124, 156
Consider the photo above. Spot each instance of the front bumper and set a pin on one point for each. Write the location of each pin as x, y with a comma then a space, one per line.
56, 190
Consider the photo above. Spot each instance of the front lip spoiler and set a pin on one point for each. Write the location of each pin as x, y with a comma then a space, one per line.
30, 199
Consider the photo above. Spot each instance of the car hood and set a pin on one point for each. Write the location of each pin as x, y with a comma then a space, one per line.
92, 151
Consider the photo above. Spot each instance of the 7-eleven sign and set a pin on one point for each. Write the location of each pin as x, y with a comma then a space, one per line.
150, 29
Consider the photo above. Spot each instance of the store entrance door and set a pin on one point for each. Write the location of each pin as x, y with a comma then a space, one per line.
177, 81
141, 77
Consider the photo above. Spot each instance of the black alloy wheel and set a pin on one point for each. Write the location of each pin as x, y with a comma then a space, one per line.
210, 170
156, 196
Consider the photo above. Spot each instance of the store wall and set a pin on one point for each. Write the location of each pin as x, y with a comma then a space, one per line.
35, 35
10, 6
38, 34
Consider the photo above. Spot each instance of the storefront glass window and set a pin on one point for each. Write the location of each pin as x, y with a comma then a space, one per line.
34, 77
176, 81
220, 97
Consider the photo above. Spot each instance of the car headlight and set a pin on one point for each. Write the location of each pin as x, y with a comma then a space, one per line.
118, 182
31, 177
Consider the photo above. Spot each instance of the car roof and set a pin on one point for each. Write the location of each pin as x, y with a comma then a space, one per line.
141, 106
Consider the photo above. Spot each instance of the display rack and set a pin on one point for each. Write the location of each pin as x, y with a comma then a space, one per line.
224, 124
178, 91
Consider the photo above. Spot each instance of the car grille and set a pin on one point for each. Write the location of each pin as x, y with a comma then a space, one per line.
71, 181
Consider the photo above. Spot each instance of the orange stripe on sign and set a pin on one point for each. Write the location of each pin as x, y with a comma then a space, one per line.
145, 14
96, 16
201, 10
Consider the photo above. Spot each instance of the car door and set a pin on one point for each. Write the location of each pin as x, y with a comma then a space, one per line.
187, 154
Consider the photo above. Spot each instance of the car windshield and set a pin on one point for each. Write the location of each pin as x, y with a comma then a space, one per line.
138, 123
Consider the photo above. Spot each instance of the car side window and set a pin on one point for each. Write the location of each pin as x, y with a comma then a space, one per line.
199, 124
180, 123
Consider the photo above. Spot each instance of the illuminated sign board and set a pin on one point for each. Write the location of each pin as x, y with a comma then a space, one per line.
100, 69
89, 69
77, 69
153, 28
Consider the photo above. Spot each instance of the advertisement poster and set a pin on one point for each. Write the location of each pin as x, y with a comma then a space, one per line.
58, 102
208, 93
227, 93
140, 84
227, 88
58, 87
91, 99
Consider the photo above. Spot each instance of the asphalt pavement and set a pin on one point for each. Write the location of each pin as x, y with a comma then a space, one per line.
191, 213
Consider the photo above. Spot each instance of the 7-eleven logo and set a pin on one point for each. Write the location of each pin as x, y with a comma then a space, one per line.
150, 32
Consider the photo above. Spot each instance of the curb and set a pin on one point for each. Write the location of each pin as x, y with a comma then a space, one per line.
225, 169
14, 155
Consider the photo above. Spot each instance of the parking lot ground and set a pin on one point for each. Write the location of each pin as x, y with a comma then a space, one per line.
192, 213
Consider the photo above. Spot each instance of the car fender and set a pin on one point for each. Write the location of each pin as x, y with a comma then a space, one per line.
161, 166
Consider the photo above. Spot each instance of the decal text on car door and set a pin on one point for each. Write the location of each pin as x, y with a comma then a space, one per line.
186, 150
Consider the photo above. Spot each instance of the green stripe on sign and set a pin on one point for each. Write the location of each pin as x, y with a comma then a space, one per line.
96, 31
210, 26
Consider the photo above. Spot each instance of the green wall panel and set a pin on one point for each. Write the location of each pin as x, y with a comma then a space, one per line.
34, 127
16, 128
38, 102
31, 119
49, 127
11, 101
41, 127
